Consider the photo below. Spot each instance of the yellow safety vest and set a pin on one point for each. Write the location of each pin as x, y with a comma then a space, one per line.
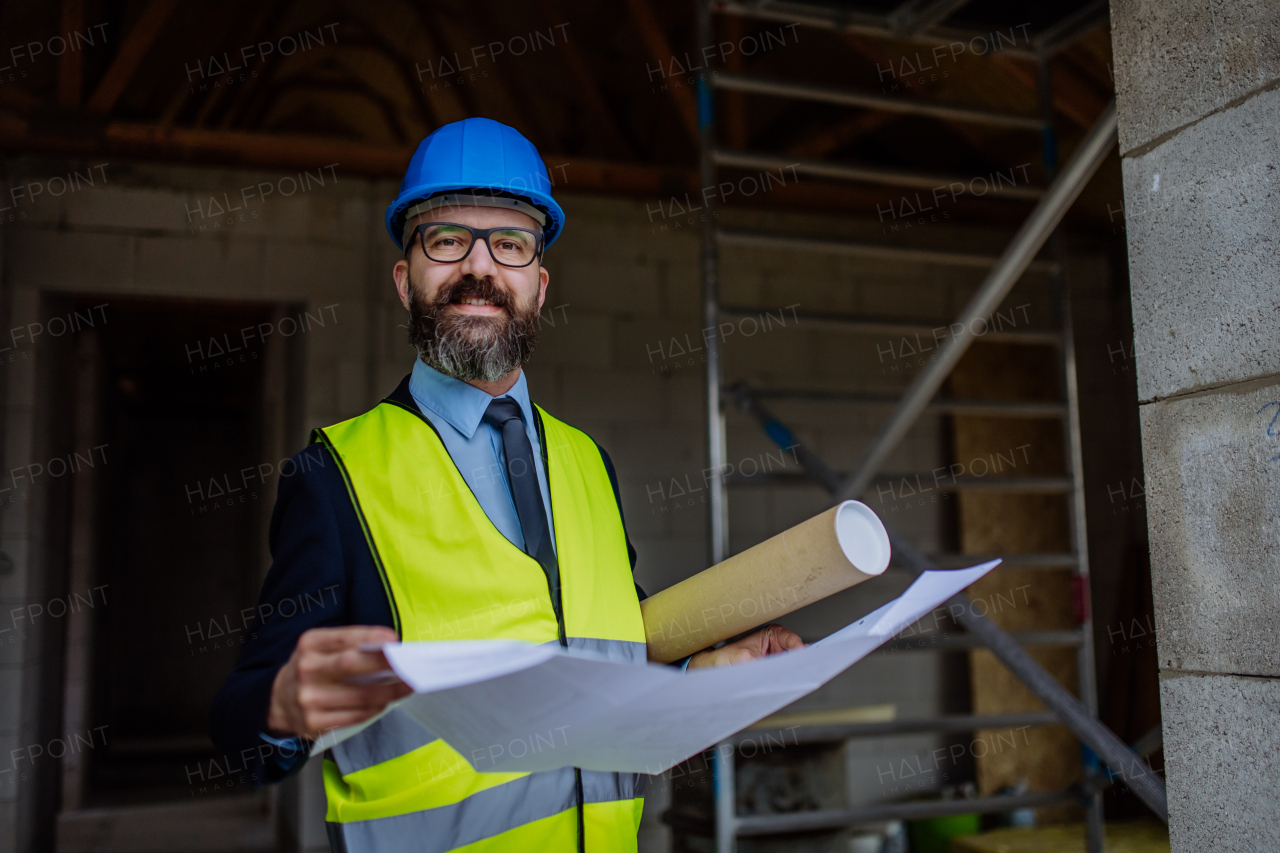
449, 574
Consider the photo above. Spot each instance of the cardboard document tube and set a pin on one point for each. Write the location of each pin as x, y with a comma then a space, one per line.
843, 546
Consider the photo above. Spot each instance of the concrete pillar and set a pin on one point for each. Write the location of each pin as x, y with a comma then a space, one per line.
1199, 103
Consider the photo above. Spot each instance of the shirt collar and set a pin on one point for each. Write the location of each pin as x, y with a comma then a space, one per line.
461, 405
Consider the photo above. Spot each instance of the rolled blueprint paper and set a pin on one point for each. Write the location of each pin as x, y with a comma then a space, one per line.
843, 546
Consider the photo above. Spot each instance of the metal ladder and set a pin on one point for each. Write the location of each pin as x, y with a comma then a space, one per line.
1079, 715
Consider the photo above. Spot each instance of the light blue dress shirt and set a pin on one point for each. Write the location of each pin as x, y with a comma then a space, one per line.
456, 410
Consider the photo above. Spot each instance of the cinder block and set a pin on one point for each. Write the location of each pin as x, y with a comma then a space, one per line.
667, 560
11, 706
742, 277
282, 218
211, 268
596, 283
817, 287
913, 292
1222, 762
682, 284
129, 207
73, 261
311, 271
661, 346
649, 453
1212, 466
337, 216
766, 355
612, 397
1175, 62
15, 587
574, 338
1204, 252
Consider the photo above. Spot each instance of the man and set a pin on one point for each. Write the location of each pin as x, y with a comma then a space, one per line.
455, 509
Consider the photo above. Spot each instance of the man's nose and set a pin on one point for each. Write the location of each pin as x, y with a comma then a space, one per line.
478, 262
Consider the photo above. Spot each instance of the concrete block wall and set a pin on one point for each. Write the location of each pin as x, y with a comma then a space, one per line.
1199, 108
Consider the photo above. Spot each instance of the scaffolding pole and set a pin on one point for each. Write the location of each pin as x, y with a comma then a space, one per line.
719, 549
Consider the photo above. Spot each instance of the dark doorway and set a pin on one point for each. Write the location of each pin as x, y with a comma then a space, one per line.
180, 518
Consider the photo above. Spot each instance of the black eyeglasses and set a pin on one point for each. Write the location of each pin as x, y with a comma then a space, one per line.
450, 242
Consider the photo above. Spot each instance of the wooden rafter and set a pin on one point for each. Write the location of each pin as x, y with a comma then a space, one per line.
660, 52
735, 102
1073, 99
188, 85
461, 101
263, 22
245, 97
846, 131
132, 50
588, 88
517, 90
71, 63
349, 83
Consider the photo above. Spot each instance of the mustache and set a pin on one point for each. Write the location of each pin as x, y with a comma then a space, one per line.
470, 287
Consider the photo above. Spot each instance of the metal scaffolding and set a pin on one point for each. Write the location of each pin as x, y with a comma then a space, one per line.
920, 20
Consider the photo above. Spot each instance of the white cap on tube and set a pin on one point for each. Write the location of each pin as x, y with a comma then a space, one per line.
862, 537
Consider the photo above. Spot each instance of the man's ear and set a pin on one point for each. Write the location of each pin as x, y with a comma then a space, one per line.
400, 272
543, 278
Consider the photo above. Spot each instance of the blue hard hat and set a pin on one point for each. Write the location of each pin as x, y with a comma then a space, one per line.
476, 153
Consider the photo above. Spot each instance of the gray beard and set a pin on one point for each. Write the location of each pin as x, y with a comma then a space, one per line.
472, 348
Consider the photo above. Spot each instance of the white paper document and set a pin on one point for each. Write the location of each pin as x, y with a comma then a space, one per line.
513, 706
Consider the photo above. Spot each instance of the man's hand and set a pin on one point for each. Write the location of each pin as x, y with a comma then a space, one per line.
769, 640
310, 694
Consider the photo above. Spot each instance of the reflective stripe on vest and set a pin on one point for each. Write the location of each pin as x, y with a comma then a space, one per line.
450, 574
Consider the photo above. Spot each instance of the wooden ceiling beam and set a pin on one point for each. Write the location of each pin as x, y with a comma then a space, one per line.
262, 23
847, 131
71, 63
505, 81
735, 102
589, 89
660, 52
1072, 98
459, 103
129, 57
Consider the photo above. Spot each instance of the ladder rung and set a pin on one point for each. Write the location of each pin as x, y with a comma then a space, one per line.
850, 21
777, 824
852, 98
1010, 561
1017, 485
853, 172
952, 642
888, 728
919, 483
851, 248
925, 338
1000, 408
985, 408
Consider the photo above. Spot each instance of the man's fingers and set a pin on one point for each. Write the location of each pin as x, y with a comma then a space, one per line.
775, 638
787, 639
346, 697
335, 640
327, 721
355, 662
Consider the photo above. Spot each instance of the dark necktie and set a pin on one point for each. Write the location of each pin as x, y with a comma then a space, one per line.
503, 415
